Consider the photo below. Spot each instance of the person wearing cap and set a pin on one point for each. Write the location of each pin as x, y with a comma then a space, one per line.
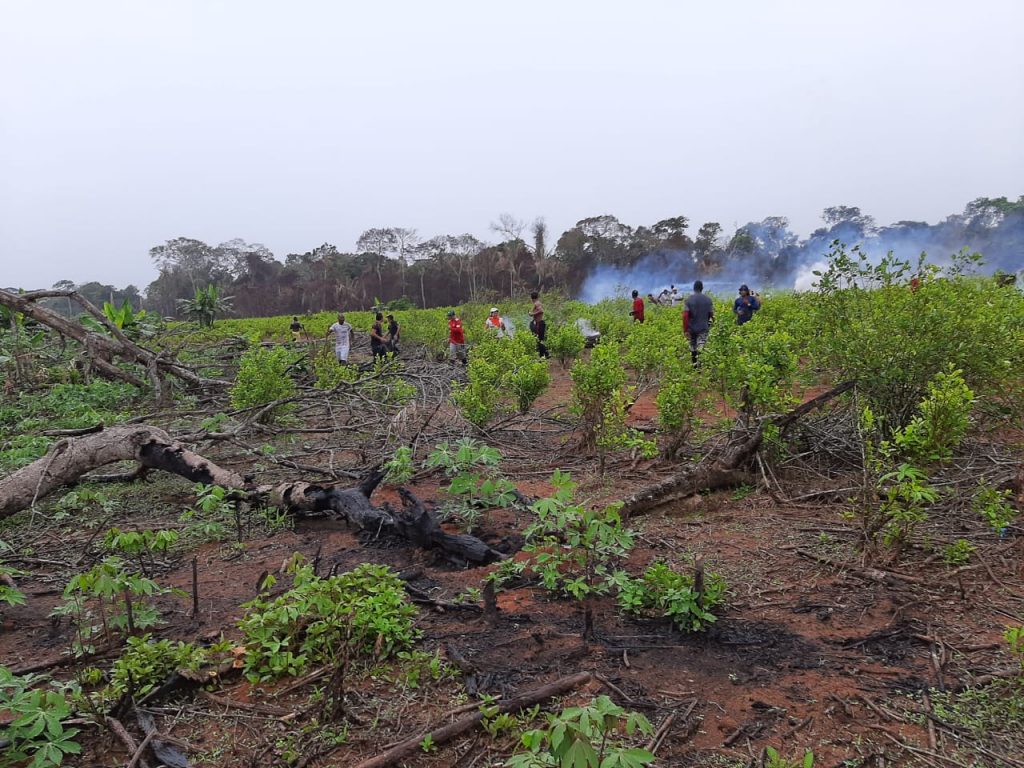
456, 338
745, 305
495, 324
394, 333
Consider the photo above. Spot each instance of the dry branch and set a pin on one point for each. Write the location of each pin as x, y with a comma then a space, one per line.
445, 733
726, 469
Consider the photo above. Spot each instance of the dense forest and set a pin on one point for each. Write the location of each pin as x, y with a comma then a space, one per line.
590, 260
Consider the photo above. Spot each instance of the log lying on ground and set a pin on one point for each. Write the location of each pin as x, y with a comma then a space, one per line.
100, 348
71, 458
726, 469
445, 733
151, 447
412, 523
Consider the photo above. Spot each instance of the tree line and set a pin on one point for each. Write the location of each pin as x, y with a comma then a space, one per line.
396, 265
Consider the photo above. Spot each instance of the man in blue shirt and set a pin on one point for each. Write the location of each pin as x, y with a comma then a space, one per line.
745, 305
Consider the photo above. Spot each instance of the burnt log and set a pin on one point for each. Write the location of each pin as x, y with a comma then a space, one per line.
150, 447
413, 522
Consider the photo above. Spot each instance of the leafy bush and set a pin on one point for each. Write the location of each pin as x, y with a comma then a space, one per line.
263, 378
475, 482
958, 553
330, 373
114, 596
942, 423
146, 663
662, 591
993, 506
8, 593
676, 401
600, 398
592, 736
142, 545
574, 548
503, 373
37, 732
565, 342
893, 340
398, 469
312, 623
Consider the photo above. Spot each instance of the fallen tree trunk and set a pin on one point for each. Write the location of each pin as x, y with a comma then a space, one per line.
412, 523
100, 348
727, 468
70, 459
445, 733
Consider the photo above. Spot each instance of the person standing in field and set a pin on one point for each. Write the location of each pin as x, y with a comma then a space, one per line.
745, 305
378, 344
637, 312
456, 338
296, 329
394, 334
538, 325
495, 324
343, 336
698, 315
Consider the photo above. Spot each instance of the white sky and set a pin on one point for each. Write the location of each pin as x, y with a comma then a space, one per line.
124, 124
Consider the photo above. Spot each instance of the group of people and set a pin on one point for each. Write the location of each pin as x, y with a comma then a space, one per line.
382, 342
699, 312
496, 324
698, 317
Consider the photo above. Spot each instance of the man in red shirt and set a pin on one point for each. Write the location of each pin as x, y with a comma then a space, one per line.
456, 338
638, 308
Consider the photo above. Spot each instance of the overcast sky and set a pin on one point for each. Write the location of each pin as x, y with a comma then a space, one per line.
291, 124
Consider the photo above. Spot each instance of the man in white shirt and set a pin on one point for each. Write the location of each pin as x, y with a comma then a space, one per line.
495, 324
343, 337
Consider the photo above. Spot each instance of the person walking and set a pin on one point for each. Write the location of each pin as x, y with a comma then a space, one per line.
637, 312
296, 329
394, 334
698, 316
456, 338
343, 336
538, 325
378, 344
745, 305
495, 324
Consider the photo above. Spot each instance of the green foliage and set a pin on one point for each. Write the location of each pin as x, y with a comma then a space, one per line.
112, 595
146, 663
1014, 637
601, 398
991, 712
142, 545
263, 378
330, 373
776, 760
205, 306
503, 374
893, 341
565, 342
36, 732
213, 512
474, 480
398, 469
942, 421
993, 506
958, 553
676, 401
662, 591
312, 623
593, 736
9, 594
905, 501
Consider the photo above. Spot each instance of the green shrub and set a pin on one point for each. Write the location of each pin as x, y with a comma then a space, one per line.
36, 731
503, 374
365, 610
565, 342
676, 401
942, 421
263, 379
147, 663
662, 591
592, 736
993, 506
